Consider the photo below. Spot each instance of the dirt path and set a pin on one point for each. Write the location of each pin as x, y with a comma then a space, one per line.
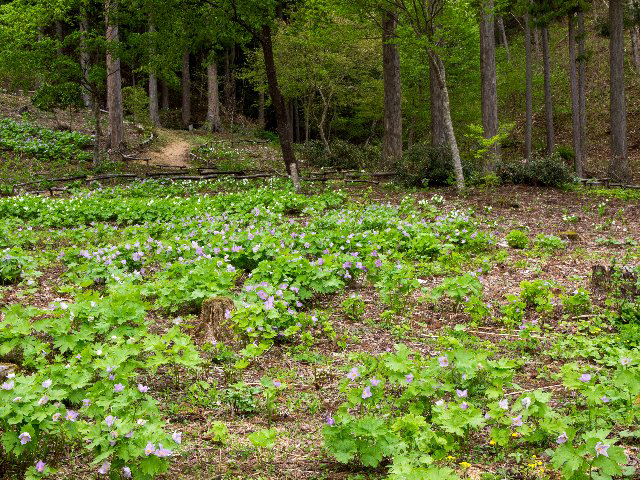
174, 153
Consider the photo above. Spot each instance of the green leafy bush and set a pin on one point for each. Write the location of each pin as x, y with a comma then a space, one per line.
342, 154
517, 239
79, 379
44, 143
549, 243
540, 170
423, 165
12, 264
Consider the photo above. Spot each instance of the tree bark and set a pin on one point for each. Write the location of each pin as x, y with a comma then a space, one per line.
186, 90
437, 65
503, 35
529, 87
229, 82
213, 98
392, 135
548, 99
489, 88
619, 169
284, 127
154, 109
438, 128
582, 87
114, 79
98, 138
635, 46
85, 59
575, 96
261, 118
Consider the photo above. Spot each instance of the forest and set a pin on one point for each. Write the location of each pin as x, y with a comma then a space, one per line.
320, 239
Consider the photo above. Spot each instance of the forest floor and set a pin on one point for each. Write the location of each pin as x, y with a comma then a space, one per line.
600, 229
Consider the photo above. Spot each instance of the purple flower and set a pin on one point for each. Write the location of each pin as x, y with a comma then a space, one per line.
162, 452
40, 466
601, 449
605, 399
47, 383
516, 421
112, 377
440, 402
177, 437
625, 361
71, 415
526, 401
110, 369
8, 385
142, 388
443, 361
126, 472
118, 388
330, 421
227, 314
503, 404
409, 377
353, 374
562, 438
110, 420
268, 305
276, 383
585, 377
56, 416
104, 469
464, 405
86, 402
375, 382
44, 399
461, 393
366, 393
24, 437
149, 449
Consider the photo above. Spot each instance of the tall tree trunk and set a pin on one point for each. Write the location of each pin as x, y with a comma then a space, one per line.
529, 87
186, 90
154, 110
635, 46
85, 59
619, 169
326, 103
59, 36
392, 135
165, 94
229, 81
114, 79
582, 88
437, 65
438, 128
548, 99
284, 127
489, 88
503, 36
213, 98
261, 118
296, 121
575, 96
536, 39
98, 138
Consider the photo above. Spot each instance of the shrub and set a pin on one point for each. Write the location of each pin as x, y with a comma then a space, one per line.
424, 165
549, 243
544, 171
342, 154
136, 102
517, 239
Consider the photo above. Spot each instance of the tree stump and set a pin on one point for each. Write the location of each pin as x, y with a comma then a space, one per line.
213, 326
